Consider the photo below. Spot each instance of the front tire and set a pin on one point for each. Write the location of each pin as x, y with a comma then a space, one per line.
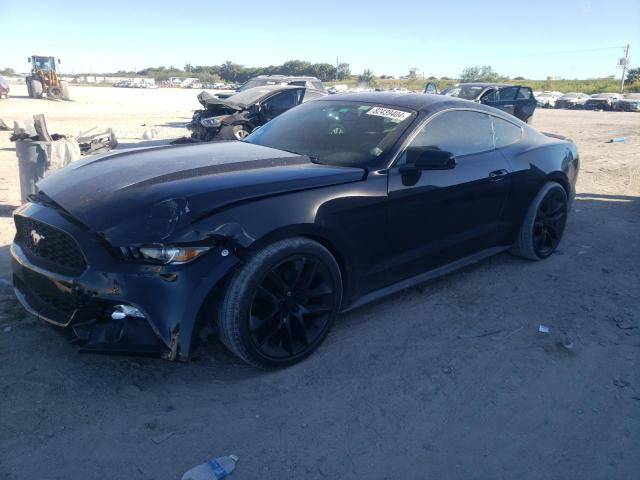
36, 88
281, 305
234, 132
544, 224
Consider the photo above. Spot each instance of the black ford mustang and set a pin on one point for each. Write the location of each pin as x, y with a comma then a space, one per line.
332, 204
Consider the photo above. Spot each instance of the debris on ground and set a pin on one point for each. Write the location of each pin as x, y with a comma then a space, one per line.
7, 329
621, 383
213, 469
626, 323
543, 329
567, 343
40, 153
3, 126
92, 142
616, 140
150, 134
183, 140
161, 438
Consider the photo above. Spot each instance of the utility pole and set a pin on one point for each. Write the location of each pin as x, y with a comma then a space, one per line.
336, 68
625, 62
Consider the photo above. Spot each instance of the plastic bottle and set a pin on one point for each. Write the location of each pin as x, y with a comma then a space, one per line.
213, 469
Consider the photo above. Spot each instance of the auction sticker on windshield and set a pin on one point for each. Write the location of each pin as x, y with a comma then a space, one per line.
396, 115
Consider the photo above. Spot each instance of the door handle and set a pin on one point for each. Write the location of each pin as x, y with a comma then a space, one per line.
507, 106
497, 175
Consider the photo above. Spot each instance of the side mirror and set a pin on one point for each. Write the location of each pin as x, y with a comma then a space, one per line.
29, 59
426, 158
59, 61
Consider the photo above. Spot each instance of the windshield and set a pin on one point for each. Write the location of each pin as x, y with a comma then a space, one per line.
42, 63
259, 82
571, 95
468, 92
603, 95
336, 133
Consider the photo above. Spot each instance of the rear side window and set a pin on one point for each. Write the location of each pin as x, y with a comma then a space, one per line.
460, 132
508, 93
524, 93
504, 133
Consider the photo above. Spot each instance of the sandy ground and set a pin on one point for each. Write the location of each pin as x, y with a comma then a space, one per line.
450, 381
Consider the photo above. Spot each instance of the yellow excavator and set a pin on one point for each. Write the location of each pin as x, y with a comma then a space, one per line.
44, 79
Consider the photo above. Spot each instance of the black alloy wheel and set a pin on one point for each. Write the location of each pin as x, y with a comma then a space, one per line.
544, 223
549, 223
291, 307
281, 304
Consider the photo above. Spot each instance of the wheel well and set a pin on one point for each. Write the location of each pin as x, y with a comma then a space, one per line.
209, 307
301, 231
339, 260
563, 183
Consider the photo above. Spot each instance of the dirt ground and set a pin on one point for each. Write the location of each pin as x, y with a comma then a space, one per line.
450, 381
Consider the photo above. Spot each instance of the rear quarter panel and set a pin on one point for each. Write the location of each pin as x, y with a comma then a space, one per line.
534, 162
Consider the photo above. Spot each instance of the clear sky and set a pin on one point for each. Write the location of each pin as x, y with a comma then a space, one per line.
514, 37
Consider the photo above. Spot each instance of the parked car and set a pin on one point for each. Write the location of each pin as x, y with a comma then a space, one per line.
602, 101
547, 99
4, 87
572, 100
233, 118
274, 80
630, 102
331, 205
514, 99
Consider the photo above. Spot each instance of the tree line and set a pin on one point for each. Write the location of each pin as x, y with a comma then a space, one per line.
237, 73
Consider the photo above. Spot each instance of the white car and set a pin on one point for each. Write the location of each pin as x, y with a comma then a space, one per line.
548, 99
572, 100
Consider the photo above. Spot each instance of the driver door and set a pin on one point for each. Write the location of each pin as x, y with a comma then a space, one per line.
439, 216
280, 103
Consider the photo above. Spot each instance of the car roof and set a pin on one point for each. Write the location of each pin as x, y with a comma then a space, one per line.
487, 84
416, 101
279, 77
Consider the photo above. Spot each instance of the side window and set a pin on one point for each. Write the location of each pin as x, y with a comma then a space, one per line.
491, 96
459, 132
524, 93
508, 93
505, 133
282, 102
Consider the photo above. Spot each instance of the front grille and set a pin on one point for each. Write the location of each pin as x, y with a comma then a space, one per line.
51, 248
62, 303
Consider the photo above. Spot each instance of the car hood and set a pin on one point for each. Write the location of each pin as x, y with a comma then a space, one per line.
150, 194
206, 98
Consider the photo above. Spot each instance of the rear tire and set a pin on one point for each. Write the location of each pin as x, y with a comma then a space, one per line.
544, 224
281, 305
64, 90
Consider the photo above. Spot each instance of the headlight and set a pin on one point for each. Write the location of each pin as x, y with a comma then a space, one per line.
164, 254
211, 122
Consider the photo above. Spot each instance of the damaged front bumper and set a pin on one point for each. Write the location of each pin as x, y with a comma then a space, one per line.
163, 302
